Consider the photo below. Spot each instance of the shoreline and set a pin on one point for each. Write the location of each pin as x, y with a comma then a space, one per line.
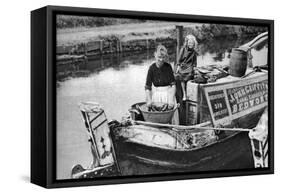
122, 32
136, 37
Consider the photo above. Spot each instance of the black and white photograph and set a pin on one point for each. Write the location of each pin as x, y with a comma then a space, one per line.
137, 96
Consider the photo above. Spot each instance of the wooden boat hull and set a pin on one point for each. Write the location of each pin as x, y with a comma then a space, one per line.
232, 151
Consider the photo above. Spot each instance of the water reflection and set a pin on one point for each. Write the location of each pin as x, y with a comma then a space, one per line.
210, 52
220, 48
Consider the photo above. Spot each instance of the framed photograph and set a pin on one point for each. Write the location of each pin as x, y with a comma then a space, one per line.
126, 96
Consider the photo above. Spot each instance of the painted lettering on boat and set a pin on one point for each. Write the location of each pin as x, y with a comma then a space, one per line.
248, 96
236, 99
218, 103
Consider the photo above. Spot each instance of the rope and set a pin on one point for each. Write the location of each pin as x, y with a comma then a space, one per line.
182, 127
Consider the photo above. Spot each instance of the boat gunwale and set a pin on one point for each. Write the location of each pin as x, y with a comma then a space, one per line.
186, 150
263, 73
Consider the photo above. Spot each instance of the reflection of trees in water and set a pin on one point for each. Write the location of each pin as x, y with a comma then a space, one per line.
95, 64
218, 47
117, 61
221, 46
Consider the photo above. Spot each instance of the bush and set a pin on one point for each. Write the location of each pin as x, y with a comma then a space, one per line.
68, 21
211, 31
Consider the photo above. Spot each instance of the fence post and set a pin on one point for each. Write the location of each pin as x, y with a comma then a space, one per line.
120, 44
147, 44
110, 47
101, 46
117, 46
179, 30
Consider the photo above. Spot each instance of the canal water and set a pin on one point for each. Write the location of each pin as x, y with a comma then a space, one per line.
115, 82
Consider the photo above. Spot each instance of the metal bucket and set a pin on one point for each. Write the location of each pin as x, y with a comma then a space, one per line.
157, 117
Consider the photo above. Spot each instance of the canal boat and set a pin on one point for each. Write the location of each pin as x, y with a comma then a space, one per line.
198, 146
218, 117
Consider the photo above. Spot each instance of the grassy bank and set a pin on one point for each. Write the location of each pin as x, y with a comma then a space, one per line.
141, 36
150, 30
124, 32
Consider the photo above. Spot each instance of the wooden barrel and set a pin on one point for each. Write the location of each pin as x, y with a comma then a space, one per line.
238, 62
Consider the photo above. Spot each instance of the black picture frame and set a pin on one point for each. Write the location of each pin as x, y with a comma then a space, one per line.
43, 95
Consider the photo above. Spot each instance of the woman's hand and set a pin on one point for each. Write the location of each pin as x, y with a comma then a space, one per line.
149, 104
170, 106
148, 98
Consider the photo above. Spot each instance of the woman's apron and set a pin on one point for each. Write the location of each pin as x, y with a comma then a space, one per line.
164, 95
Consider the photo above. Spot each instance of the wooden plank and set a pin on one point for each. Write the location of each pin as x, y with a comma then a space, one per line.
60, 50
93, 46
63, 49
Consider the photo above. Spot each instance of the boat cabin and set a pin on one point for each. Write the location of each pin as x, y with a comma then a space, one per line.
196, 107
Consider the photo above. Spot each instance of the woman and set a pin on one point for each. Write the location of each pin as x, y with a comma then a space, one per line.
160, 75
187, 60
